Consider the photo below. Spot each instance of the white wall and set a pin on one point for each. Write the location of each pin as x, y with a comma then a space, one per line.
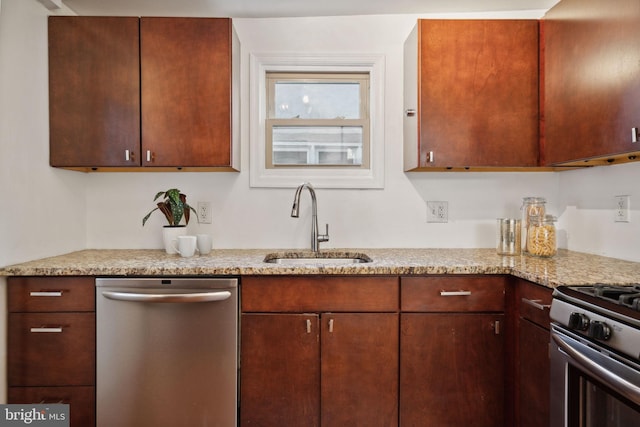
42, 210
588, 216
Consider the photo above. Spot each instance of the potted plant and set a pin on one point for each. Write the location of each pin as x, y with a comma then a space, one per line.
174, 207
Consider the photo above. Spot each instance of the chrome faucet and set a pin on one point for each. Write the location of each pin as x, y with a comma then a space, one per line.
315, 237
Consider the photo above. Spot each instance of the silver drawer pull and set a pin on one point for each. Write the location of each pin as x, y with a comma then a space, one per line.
308, 326
331, 325
536, 303
47, 330
46, 294
454, 293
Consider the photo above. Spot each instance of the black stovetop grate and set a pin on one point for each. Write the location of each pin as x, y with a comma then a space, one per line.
627, 296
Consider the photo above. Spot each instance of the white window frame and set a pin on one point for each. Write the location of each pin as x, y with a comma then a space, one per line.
335, 176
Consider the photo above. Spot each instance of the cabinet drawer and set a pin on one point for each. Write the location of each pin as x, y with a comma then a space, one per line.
534, 302
318, 293
51, 349
44, 294
452, 293
81, 401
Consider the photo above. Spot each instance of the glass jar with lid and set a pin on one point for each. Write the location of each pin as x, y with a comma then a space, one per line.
531, 207
541, 236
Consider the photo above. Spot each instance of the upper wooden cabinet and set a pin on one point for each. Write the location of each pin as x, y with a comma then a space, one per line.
142, 93
591, 82
94, 91
471, 95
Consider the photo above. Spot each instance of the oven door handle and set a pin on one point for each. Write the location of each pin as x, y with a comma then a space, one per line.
622, 386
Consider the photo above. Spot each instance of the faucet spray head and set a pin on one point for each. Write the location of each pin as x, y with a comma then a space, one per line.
295, 212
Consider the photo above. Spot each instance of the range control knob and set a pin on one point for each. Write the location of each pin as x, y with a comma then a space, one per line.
578, 321
599, 331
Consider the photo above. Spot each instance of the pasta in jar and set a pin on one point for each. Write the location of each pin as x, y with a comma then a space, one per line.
541, 236
532, 207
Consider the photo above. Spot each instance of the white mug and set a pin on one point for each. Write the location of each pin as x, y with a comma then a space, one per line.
186, 245
205, 243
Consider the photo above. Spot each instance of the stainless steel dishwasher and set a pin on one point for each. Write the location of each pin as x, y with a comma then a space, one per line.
167, 352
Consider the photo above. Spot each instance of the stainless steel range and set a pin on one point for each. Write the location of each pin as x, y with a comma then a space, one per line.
595, 356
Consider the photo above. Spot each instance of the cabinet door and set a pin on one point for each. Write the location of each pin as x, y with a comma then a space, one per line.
534, 369
186, 91
94, 91
451, 370
280, 370
81, 401
359, 369
51, 349
477, 102
591, 79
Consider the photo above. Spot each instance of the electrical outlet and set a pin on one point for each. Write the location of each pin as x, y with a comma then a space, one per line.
204, 212
622, 208
437, 211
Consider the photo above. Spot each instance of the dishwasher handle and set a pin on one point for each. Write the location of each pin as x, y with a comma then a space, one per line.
168, 298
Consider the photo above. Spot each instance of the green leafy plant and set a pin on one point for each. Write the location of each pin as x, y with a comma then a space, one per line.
174, 207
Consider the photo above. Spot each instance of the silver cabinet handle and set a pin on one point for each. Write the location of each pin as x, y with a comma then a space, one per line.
308, 326
149, 157
127, 155
331, 325
45, 293
410, 112
47, 330
536, 303
190, 297
454, 293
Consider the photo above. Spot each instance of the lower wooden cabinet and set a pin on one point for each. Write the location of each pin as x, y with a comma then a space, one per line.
280, 370
51, 344
533, 364
452, 347
82, 400
325, 350
451, 370
317, 364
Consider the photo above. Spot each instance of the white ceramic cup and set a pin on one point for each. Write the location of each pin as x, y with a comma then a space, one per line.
185, 245
205, 243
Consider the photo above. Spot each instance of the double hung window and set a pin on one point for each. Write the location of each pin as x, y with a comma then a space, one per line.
317, 119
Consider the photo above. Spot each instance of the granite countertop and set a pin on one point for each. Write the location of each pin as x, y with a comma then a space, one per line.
566, 268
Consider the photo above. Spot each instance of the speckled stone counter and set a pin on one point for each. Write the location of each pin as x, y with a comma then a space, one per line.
567, 268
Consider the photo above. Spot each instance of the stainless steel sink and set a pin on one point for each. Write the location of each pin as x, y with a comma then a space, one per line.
316, 258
